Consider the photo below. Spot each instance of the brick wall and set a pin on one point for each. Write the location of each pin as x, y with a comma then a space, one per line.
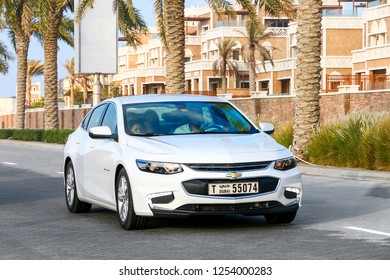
280, 108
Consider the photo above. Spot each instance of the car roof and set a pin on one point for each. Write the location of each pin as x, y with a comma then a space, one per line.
149, 98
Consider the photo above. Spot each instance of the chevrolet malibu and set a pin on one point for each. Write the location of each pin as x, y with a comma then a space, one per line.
177, 155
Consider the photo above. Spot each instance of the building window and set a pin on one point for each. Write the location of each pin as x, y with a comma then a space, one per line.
244, 84
153, 62
264, 85
205, 28
236, 55
285, 85
270, 22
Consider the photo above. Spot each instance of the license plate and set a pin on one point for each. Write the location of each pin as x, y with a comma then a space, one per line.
233, 188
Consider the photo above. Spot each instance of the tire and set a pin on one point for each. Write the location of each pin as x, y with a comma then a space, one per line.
72, 200
280, 218
124, 204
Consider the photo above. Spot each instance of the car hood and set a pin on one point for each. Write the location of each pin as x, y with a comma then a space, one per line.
199, 148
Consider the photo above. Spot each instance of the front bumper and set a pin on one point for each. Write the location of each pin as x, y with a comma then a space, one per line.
249, 209
185, 193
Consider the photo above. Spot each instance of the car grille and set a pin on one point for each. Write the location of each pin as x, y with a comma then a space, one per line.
229, 166
200, 186
228, 207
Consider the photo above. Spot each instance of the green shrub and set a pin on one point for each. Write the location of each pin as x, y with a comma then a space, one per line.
58, 136
381, 144
6, 133
28, 134
360, 140
284, 134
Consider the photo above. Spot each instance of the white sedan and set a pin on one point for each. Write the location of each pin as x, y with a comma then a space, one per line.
176, 155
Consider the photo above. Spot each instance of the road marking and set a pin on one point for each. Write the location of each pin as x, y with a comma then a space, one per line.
9, 163
369, 231
59, 172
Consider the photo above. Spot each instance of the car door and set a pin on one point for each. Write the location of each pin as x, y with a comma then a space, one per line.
100, 159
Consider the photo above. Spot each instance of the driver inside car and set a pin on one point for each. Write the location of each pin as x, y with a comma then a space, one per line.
194, 124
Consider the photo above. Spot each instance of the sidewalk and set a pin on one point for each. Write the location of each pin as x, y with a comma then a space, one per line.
345, 173
35, 144
315, 170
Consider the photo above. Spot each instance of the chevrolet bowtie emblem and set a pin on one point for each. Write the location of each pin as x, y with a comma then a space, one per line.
234, 175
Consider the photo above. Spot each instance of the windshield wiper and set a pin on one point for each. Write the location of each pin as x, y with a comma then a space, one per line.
146, 134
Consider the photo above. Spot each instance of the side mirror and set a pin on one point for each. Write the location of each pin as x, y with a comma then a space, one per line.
102, 132
267, 127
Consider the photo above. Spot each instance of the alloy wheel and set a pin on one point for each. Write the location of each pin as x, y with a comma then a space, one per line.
123, 198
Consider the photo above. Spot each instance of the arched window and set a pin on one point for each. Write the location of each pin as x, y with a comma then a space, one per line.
378, 33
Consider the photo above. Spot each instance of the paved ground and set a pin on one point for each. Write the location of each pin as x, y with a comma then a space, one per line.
340, 219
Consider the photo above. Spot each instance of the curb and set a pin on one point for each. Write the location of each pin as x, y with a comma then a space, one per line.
345, 173
35, 144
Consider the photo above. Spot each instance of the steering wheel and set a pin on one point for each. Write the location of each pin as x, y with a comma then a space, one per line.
212, 127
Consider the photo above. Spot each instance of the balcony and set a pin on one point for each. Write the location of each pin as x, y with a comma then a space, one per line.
341, 83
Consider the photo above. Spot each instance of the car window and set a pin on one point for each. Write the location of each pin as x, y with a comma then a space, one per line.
96, 116
84, 124
110, 118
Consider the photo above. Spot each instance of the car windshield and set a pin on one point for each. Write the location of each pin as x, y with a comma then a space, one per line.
172, 118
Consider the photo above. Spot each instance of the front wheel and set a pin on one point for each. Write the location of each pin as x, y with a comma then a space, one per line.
75, 205
124, 204
280, 218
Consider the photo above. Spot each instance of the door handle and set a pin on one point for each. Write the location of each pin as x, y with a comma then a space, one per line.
93, 146
77, 141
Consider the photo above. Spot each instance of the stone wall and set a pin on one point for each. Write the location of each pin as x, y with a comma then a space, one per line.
279, 108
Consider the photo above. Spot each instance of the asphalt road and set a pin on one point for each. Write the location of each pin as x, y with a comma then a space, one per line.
340, 219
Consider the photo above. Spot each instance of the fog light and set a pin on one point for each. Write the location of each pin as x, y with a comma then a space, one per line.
292, 193
160, 198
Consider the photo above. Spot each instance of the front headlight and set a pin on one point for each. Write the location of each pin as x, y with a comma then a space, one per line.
285, 164
159, 167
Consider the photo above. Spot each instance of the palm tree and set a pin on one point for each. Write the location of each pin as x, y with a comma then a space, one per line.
252, 49
34, 68
275, 7
224, 65
71, 77
170, 21
308, 73
54, 25
4, 56
85, 81
18, 19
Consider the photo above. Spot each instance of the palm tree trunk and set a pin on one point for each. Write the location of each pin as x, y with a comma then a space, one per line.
308, 73
22, 45
85, 91
50, 78
28, 89
224, 84
175, 76
71, 93
252, 71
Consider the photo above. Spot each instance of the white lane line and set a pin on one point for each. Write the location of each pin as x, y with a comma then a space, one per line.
62, 173
369, 231
9, 163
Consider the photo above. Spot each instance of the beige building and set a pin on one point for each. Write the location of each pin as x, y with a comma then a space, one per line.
7, 105
348, 43
371, 62
35, 91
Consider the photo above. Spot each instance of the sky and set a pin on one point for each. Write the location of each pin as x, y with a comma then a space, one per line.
8, 82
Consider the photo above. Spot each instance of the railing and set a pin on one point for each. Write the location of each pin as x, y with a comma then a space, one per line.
363, 82
202, 92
